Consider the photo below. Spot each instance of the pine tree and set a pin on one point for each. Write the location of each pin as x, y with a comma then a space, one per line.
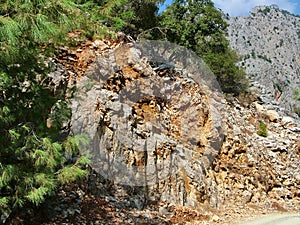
34, 159
130, 16
199, 26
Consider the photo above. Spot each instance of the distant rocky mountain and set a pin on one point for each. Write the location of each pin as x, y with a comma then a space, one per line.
268, 41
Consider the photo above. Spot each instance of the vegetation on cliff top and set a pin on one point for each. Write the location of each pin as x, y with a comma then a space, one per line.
199, 26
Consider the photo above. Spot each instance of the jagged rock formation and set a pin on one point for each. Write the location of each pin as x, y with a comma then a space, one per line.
152, 124
255, 169
161, 126
268, 41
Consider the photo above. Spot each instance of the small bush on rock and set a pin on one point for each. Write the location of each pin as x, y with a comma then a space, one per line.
262, 130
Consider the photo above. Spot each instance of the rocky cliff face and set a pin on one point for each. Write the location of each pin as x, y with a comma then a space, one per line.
151, 123
268, 41
162, 132
255, 169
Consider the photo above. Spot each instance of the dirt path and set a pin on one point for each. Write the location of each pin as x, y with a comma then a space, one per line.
281, 219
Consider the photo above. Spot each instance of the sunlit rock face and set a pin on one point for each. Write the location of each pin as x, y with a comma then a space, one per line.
154, 120
263, 169
159, 129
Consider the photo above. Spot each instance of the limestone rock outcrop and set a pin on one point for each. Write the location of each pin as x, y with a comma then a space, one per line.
268, 41
150, 123
255, 169
162, 131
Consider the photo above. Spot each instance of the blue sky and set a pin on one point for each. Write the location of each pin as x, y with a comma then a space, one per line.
243, 7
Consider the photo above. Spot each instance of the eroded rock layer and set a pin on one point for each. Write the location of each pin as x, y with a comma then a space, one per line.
159, 129
150, 124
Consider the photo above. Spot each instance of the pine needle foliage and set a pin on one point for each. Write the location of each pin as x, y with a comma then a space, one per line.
34, 158
129, 16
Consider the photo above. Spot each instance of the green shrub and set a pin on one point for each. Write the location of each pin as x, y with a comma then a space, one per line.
262, 130
265, 11
297, 95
